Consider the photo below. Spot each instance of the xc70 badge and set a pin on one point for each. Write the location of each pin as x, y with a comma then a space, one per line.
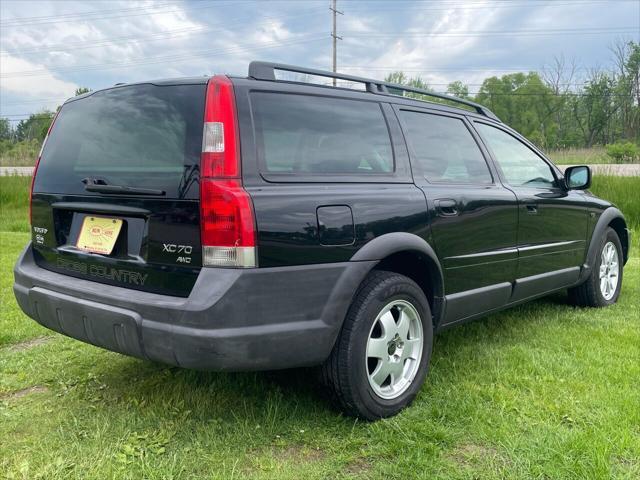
183, 251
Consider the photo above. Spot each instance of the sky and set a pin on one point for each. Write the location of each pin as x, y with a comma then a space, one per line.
50, 48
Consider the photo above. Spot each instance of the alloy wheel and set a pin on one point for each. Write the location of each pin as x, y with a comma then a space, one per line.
394, 349
609, 271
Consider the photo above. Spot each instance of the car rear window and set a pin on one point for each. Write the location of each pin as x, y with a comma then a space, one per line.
309, 135
145, 136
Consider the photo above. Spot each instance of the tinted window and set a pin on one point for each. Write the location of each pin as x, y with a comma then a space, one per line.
519, 164
142, 136
317, 135
444, 149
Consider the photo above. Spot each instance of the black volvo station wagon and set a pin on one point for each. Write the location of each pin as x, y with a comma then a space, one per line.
253, 223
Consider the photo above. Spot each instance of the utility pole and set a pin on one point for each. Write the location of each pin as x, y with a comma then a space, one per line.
334, 36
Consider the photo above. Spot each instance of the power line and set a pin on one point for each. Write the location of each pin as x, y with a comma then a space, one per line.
38, 100
447, 69
156, 36
446, 2
62, 99
20, 20
538, 32
389, 69
109, 17
492, 6
100, 14
489, 95
163, 59
62, 47
465, 2
356, 34
17, 115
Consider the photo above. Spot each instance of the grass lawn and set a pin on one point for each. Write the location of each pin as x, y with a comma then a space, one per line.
568, 156
540, 391
579, 156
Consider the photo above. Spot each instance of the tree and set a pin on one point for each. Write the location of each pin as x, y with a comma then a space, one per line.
458, 89
5, 129
627, 88
82, 91
401, 79
35, 127
559, 76
594, 109
523, 101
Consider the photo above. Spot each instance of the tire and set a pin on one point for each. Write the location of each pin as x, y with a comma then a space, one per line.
366, 348
593, 292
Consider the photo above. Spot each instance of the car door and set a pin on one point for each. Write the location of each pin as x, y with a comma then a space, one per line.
552, 221
473, 217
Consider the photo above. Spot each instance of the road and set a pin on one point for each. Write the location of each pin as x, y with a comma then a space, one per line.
618, 170
22, 171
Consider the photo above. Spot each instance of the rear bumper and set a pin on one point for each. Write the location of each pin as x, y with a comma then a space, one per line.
255, 319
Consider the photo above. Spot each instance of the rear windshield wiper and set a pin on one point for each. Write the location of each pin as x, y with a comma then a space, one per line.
100, 186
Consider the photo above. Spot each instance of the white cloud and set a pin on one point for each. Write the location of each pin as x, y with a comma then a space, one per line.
69, 43
272, 32
196, 38
426, 51
46, 85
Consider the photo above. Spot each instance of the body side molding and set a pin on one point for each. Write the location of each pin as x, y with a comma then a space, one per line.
468, 303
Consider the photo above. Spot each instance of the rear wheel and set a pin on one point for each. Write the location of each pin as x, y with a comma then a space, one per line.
603, 285
382, 354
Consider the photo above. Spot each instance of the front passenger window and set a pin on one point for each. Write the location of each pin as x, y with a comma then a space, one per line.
519, 164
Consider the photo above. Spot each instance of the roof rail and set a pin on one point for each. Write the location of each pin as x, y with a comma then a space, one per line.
266, 71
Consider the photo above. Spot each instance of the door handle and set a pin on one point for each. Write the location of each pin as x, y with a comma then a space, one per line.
532, 208
446, 207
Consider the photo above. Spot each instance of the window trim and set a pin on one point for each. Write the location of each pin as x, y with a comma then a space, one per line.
554, 170
400, 173
415, 163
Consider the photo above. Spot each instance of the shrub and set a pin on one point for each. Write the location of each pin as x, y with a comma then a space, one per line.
19, 154
622, 152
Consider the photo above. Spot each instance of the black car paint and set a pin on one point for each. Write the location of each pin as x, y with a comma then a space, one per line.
484, 256
159, 248
493, 250
148, 225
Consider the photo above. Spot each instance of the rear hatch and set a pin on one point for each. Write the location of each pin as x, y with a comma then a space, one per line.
116, 192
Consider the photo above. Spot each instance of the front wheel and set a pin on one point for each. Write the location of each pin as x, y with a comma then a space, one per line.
382, 354
602, 287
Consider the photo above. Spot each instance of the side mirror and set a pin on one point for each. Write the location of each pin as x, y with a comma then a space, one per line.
577, 178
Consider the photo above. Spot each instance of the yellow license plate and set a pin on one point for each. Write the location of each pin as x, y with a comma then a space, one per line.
99, 234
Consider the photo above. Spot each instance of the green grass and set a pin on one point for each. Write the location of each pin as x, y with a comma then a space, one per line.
26, 156
624, 192
21, 154
580, 156
14, 203
543, 390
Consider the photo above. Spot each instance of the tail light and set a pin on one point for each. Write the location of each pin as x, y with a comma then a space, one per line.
35, 168
226, 213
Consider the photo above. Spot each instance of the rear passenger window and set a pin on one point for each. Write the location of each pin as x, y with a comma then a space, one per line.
317, 135
444, 149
